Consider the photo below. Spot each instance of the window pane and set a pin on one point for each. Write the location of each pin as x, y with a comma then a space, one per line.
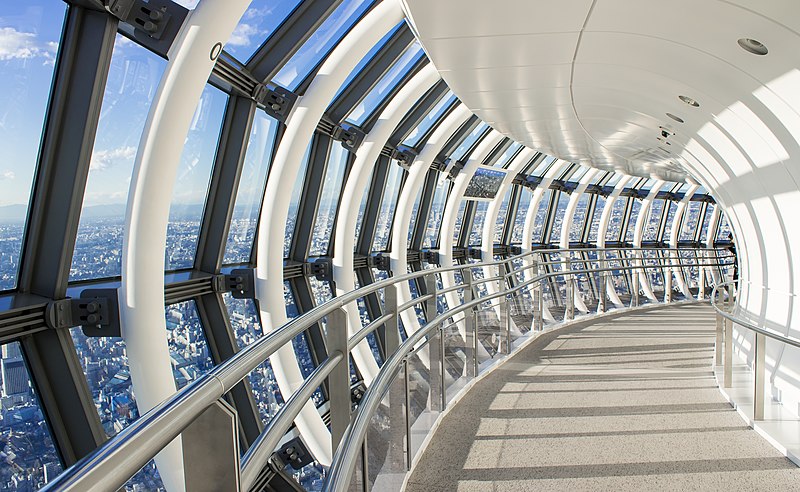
476, 234
414, 213
468, 142
462, 209
390, 79
435, 215
187, 343
191, 186
29, 456
706, 222
257, 24
132, 82
386, 211
30, 33
654, 221
320, 43
247, 329
576, 231
690, 221
501, 217
294, 204
615, 222
598, 212
430, 119
636, 206
510, 152
558, 217
301, 349
724, 228
522, 211
541, 216
329, 200
362, 207
251, 189
670, 218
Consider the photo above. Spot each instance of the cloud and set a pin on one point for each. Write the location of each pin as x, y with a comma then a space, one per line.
7, 175
104, 159
241, 35
17, 45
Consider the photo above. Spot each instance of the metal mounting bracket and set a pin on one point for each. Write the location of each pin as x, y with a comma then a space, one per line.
241, 283
275, 100
351, 136
96, 312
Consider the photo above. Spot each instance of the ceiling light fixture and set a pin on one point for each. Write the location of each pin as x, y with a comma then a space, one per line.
753, 46
689, 101
676, 118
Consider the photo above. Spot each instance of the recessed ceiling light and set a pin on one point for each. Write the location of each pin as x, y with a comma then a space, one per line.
753, 46
676, 118
689, 101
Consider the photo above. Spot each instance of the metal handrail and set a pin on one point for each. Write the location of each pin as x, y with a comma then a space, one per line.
746, 324
113, 463
346, 455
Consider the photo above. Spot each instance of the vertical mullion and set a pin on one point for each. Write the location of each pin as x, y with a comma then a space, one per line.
73, 113
424, 210
374, 199
312, 190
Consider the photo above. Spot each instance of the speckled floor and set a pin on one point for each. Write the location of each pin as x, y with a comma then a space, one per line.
626, 404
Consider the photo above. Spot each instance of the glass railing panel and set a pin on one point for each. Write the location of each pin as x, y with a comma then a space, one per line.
455, 358
386, 439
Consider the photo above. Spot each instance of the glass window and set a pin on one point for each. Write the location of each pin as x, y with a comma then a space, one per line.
650, 232
362, 207
256, 164
594, 227
133, 78
636, 206
247, 328
391, 191
430, 120
541, 217
329, 200
104, 361
558, 216
468, 142
576, 231
578, 173
543, 166
30, 33
390, 79
320, 43
29, 456
501, 216
462, 209
706, 222
690, 221
365, 320
191, 186
522, 211
294, 203
673, 206
436, 213
508, 155
617, 217
187, 343
414, 214
615, 178
476, 234
724, 229
301, 349
257, 24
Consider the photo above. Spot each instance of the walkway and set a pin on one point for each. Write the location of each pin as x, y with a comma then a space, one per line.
626, 404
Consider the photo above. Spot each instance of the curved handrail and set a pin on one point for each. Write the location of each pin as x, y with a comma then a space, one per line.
113, 463
745, 323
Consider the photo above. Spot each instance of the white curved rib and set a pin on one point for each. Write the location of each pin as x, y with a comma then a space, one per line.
357, 183
300, 126
450, 215
673, 240
141, 295
490, 222
402, 220
602, 231
566, 225
641, 223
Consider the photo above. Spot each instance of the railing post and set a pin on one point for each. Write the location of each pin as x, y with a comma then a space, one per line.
569, 312
443, 369
601, 292
339, 378
211, 449
667, 285
760, 374
506, 313
435, 345
718, 344
728, 359
408, 413
396, 452
392, 326
538, 307
470, 327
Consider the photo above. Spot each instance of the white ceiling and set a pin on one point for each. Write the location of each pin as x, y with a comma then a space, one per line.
591, 81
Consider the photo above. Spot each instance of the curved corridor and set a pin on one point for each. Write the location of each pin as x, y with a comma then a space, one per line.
626, 403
